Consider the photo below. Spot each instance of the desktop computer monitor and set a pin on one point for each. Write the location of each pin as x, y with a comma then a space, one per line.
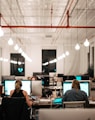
84, 85
45, 81
10, 85
66, 114
85, 77
78, 77
36, 88
27, 85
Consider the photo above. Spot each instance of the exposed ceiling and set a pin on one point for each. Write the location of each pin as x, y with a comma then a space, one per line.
47, 21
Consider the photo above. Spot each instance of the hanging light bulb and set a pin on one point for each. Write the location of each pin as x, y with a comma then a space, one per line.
16, 47
10, 41
77, 47
67, 53
86, 43
20, 50
1, 32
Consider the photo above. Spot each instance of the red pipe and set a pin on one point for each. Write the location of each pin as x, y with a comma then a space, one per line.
47, 26
68, 9
68, 18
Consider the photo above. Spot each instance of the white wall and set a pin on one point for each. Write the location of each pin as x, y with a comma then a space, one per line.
75, 63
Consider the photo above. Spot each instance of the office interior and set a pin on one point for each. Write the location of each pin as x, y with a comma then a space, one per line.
66, 26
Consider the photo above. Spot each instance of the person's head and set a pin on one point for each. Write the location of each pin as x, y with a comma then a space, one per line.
76, 84
18, 85
34, 78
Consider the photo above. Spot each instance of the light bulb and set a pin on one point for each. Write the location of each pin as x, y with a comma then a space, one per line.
10, 41
20, 50
67, 53
77, 47
86, 43
16, 47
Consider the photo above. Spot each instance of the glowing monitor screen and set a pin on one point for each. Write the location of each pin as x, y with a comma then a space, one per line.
78, 77
10, 85
27, 86
84, 86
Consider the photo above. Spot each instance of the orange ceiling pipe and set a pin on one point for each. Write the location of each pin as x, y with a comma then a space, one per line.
14, 26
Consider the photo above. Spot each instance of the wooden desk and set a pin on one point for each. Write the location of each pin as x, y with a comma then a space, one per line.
91, 104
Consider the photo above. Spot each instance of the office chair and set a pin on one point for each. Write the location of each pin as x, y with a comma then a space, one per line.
74, 104
15, 109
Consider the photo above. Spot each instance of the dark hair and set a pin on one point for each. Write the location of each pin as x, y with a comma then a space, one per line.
18, 85
76, 84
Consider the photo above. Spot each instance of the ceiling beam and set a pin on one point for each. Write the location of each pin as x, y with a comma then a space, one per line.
14, 26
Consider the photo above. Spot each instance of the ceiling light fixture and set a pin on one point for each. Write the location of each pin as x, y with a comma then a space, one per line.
67, 53
10, 41
77, 47
16, 47
20, 50
86, 42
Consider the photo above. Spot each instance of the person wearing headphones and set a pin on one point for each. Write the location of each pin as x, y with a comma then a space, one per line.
18, 92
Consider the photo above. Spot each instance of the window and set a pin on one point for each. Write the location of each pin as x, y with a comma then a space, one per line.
17, 65
48, 55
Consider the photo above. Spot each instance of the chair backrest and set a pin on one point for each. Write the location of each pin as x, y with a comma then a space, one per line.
74, 104
14, 109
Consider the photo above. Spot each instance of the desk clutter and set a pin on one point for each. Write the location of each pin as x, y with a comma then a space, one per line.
49, 96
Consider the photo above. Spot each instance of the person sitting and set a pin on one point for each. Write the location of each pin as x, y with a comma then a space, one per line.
75, 94
18, 92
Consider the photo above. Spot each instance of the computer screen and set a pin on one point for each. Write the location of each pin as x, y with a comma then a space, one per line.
84, 85
78, 77
45, 81
27, 85
10, 85
85, 77
36, 88
70, 77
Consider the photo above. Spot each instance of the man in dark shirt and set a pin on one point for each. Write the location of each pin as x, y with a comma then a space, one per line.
75, 94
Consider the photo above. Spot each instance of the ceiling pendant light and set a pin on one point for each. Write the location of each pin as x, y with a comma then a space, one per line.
10, 41
86, 43
20, 50
16, 47
67, 53
77, 46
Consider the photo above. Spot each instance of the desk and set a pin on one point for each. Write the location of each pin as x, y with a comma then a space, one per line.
91, 104
48, 102
43, 103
